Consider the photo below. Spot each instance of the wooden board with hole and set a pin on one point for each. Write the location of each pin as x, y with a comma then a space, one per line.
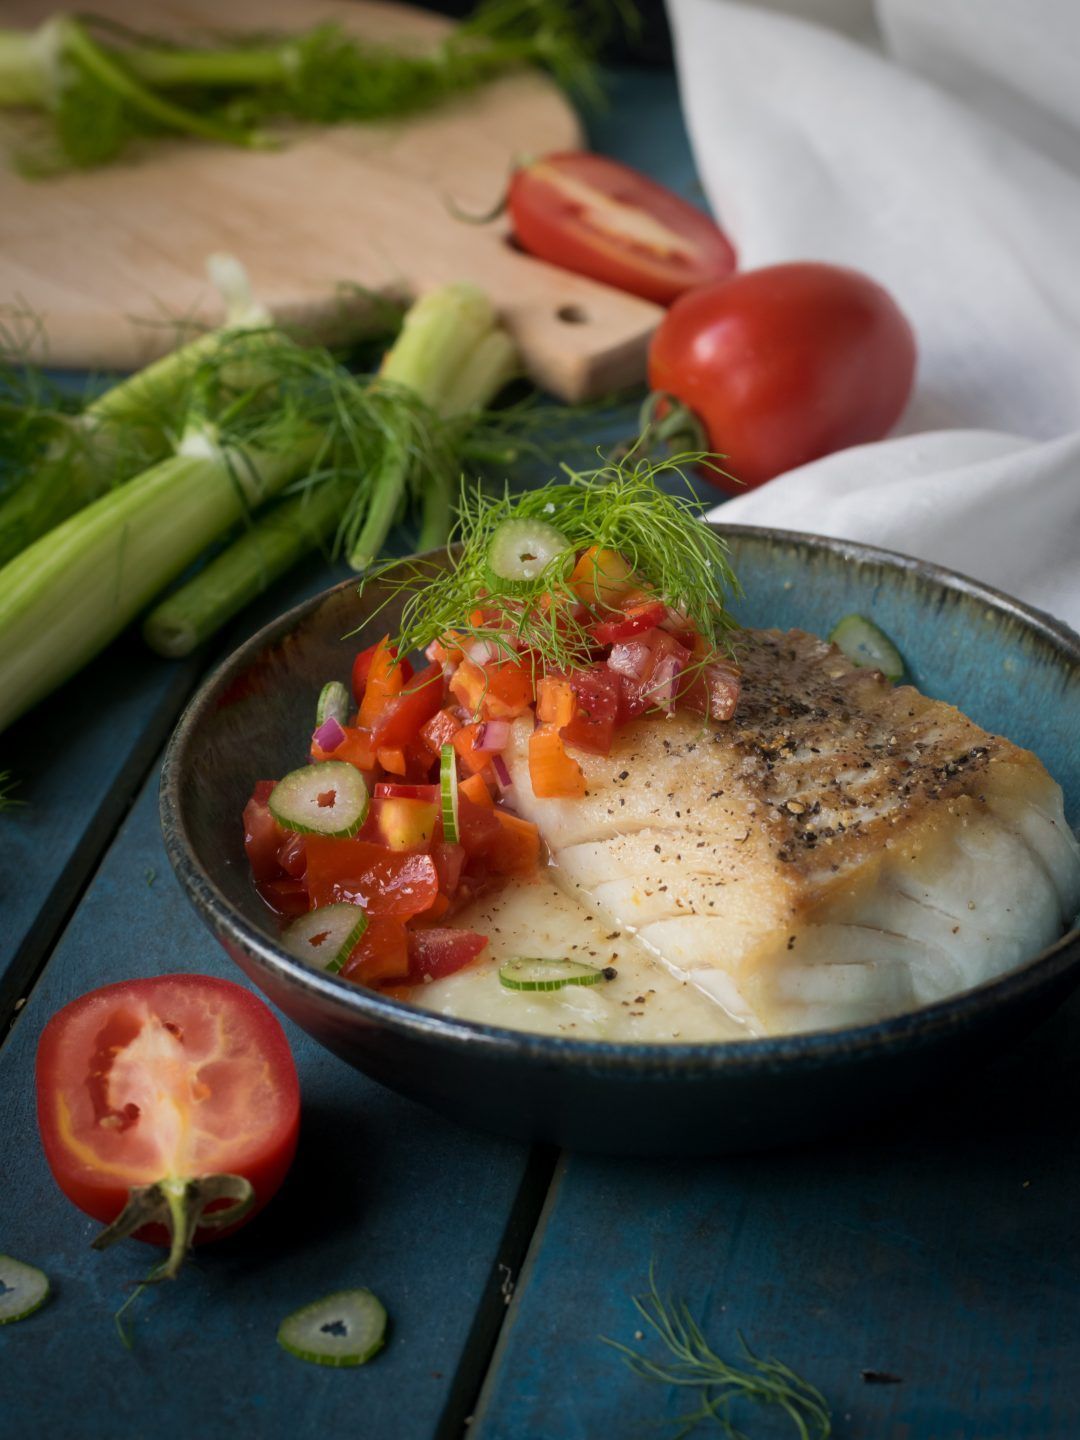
112, 261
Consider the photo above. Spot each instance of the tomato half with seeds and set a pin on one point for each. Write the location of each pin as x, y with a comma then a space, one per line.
596, 217
168, 1108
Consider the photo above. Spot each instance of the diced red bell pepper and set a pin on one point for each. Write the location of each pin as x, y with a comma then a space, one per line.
475, 788
464, 743
633, 620
386, 678
408, 712
601, 578
381, 955
263, 836
393, 761
356, 872
356, 749
555, 775
434, 953
518, 849
555, 703
407, 824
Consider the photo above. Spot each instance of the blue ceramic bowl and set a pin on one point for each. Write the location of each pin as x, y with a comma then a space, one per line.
1010, 668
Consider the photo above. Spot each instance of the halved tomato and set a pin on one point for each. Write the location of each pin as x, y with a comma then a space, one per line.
602, 219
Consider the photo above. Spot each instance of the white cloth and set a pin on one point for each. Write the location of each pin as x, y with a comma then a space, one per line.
934, 144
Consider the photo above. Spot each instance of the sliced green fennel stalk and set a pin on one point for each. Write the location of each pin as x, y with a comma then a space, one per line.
71, 592
130, 426
452, 356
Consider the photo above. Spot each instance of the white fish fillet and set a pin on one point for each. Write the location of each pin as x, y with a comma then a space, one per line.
840, 851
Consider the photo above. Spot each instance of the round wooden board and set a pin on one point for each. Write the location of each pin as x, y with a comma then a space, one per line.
112, 262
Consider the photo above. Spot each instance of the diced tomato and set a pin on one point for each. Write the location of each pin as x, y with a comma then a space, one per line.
555, 775
356, 872
393, 761
633, 620
395, 790
475, 788
382, 954
518, 850
597, 693
478, 828
713, 690
449, 862
386, 678
440, 730
464, 742
292, 856
435, 953
405, 715
287, 895
263, 836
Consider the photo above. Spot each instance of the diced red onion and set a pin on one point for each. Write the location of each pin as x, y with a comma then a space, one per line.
662, 685
493, 735
481, 651
329, 735
631, 658
502, 774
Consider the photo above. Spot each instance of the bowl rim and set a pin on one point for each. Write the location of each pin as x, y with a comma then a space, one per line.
753, 1054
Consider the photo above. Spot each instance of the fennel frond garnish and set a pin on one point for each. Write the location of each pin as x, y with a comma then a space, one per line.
719, 1388
620, 507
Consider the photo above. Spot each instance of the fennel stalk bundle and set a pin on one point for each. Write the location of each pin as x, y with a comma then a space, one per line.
252, 413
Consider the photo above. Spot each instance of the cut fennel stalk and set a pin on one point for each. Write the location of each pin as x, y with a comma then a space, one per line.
67, 595
125, 429
453, 358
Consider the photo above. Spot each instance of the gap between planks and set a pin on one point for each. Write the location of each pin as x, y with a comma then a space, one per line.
471, 1424
526, 1221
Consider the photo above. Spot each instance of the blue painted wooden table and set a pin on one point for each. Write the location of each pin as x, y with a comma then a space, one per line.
939, 1249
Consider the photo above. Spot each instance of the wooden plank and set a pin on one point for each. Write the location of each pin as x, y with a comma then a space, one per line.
940, 1249
114, 260
382, 1194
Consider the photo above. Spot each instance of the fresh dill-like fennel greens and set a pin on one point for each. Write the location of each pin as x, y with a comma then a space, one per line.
619, 507
99, 85
257, 416
720, 1388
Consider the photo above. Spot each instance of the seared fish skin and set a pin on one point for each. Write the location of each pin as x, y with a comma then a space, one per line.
840, 851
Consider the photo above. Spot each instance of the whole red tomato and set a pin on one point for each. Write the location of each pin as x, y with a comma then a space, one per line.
785, 364
169, 1107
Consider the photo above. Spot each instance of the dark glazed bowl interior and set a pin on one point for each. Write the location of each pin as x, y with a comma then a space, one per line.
1010, 668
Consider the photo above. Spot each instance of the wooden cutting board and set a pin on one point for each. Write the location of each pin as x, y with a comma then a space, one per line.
113, 261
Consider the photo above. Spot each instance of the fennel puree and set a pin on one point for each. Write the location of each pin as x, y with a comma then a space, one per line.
644, 1002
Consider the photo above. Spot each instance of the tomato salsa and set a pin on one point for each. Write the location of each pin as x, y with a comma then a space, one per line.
406, 813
